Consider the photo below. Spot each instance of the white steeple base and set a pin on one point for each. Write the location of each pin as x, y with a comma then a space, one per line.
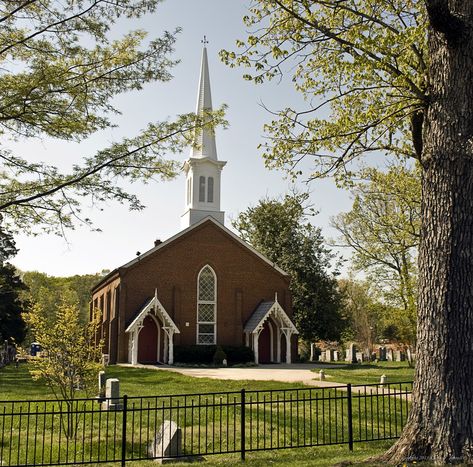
192, 216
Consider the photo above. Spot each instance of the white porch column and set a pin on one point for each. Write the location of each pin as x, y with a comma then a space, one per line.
288, 346
312, 345
171, 348
278, 346
255, 345
134, 347
166, 348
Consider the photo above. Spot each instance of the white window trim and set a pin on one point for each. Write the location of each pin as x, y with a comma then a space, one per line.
206, 302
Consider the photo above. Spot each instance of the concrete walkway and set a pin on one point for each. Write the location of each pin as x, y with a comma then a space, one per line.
295, 373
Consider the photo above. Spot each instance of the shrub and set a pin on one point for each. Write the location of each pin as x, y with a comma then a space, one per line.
204, 354
219, 356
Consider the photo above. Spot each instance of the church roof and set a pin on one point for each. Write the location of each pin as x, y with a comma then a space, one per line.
185, 232
205, 139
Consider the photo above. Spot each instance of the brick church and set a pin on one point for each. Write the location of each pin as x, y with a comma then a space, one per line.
202, 286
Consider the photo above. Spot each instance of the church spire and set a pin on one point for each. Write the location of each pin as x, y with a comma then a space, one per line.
205, 140
203, 169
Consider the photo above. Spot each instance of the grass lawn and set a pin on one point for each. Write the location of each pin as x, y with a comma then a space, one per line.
369, 373
264, 421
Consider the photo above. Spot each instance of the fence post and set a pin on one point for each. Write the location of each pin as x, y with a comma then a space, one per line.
350, 418
125, 403
242, 410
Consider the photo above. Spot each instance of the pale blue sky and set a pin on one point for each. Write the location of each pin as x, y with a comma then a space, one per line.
244, 180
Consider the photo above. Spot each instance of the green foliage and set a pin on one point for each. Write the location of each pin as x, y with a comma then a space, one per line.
204, 354
361, 67
12, 306
219, 356
383, 229
73, 357
281, 231
49, 292
61, 70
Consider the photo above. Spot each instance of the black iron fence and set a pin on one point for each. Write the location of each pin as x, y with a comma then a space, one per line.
84, 432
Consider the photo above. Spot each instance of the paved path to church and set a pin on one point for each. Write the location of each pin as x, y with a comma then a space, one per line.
295, 373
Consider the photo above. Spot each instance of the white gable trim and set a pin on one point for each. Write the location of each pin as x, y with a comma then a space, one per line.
153, 303
277, 311
185, 231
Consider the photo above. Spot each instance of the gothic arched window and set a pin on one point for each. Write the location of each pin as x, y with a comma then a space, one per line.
210, 190
206, 306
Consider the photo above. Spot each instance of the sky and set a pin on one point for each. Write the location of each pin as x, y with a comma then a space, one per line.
245, 180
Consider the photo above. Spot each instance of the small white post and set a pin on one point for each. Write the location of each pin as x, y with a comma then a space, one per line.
384, 379
321, 375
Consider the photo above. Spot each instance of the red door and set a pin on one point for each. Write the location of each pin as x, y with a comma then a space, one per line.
148, 342
264, 345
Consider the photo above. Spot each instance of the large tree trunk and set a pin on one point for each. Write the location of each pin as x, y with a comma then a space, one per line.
440, 425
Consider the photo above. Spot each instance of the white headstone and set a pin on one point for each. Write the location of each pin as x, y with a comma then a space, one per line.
167, 442
112, 395
321, 375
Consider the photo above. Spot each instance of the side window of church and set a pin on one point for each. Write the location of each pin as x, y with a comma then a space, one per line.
210, 190
201, 189
206, 306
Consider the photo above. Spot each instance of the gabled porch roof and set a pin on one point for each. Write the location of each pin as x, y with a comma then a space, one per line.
262, 313
153, 303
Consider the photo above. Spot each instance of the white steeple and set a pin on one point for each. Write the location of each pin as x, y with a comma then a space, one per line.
203, 169
205, 139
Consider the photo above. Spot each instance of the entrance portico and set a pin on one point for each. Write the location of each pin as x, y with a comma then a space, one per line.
267, 326
145, 332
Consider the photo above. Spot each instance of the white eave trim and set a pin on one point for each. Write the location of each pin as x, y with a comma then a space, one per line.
154, 302
279, 309
188, 229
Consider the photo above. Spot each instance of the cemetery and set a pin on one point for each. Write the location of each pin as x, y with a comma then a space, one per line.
196, 423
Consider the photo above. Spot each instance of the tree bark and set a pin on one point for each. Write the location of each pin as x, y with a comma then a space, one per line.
440, 424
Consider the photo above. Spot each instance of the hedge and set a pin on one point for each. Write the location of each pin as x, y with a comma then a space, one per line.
204, 354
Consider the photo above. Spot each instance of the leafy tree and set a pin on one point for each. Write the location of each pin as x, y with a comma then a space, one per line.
394, 76
73, 358
383, 229
363, 311
48, 292
12, 306
280, 230
60, 72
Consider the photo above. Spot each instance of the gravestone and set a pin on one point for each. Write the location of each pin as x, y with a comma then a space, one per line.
382, 354
329, 355
312, 351
398, 356
112, 395
167, 442
359, 357
353, 353
389, 355
336, 356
